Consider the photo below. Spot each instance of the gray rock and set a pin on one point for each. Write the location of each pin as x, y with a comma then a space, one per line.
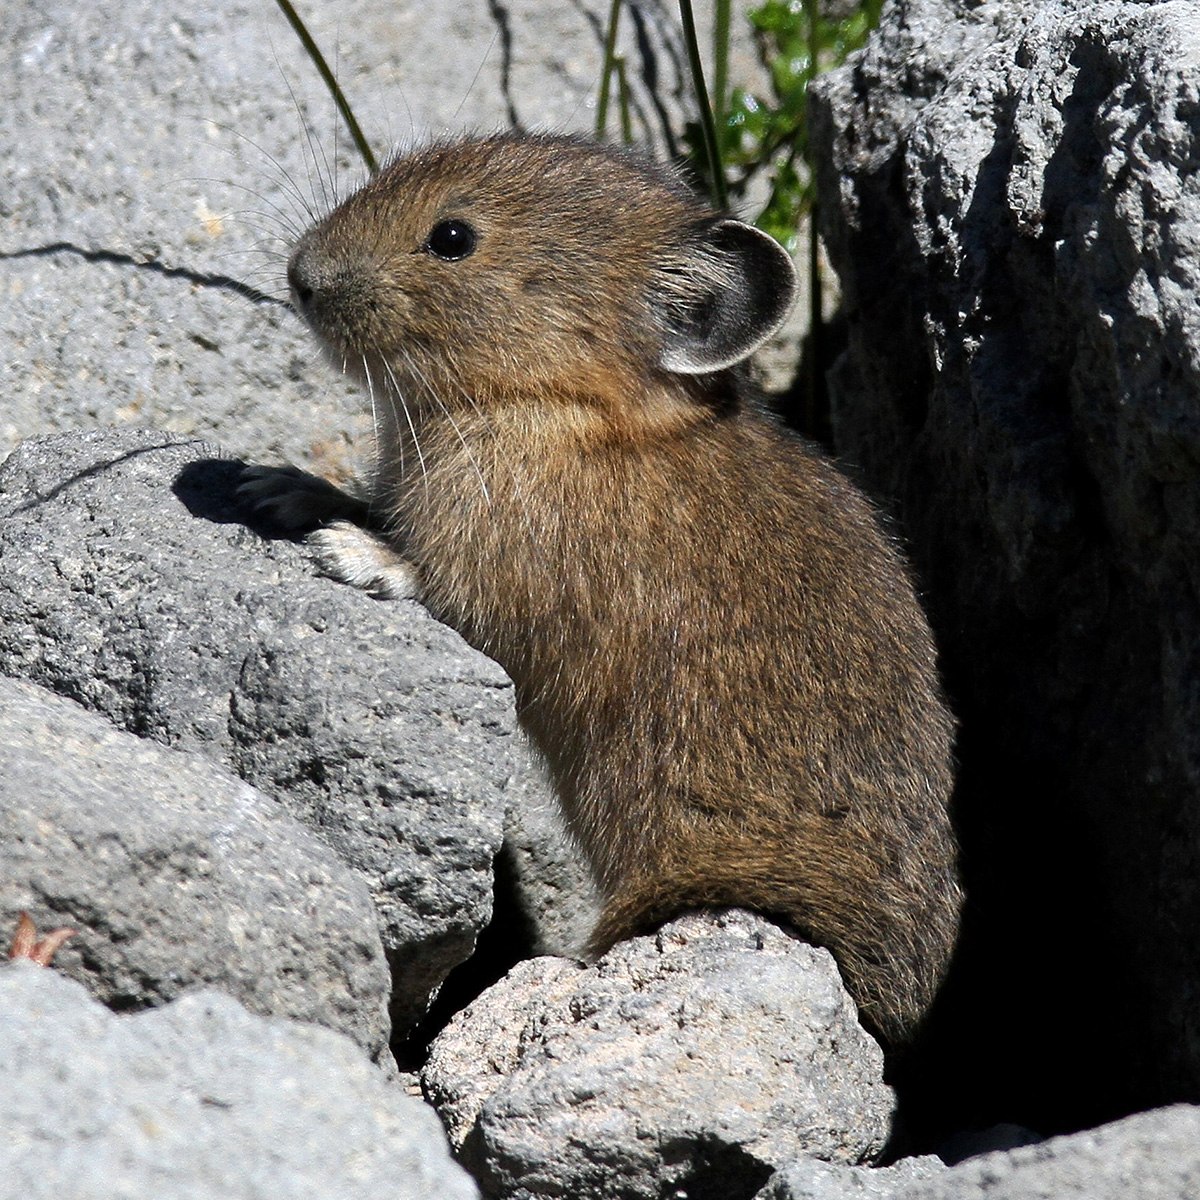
555, 889
699, 1059
969, 1143
176, 874
1152, 1156
808, 1179
201, 1100
1014, 211
127, 584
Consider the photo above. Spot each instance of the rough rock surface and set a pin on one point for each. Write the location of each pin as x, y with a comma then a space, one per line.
176, 874
809, 1179
199, 1099
699, 1059
558, 898
1013, 205
1152, 1156
127, 584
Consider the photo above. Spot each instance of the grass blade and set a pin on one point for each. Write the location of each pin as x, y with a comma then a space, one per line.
339, 98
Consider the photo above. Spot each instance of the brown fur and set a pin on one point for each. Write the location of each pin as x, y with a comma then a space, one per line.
714, 646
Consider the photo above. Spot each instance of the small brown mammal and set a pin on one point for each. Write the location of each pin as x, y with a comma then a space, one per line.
714, 646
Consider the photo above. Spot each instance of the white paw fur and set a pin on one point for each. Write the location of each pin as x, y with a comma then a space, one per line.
348, 553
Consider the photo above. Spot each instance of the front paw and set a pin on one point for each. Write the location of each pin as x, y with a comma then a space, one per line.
294, 500
349, 553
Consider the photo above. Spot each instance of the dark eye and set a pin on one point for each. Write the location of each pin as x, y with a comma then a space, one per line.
451, 240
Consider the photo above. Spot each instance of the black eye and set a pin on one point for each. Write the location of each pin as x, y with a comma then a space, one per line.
451, 240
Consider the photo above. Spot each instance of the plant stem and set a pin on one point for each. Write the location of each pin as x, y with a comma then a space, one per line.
625, 102
318, 60
716, 169
606, 70
816, 317
720, 89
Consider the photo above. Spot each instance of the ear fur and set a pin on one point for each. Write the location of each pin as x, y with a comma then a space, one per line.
721, 296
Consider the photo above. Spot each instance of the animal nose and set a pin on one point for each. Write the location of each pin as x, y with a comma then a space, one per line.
301, 290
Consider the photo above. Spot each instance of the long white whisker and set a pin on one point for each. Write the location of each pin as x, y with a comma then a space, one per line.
337, 125
399, 395
475, 78
391, 389
487, 496
311, 164
374, 417
502, 463
303, 203
370, 392
284, 223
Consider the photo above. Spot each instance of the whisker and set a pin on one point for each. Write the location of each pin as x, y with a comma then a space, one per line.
399, 395
311, 163
337, 125
475, 78
501, 462
375, 424
395, 422
453, 423
277, 223
303, 203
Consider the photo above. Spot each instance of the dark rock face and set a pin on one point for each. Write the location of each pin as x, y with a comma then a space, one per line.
1013, 206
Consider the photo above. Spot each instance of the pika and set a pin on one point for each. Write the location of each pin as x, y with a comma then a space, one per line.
714, 645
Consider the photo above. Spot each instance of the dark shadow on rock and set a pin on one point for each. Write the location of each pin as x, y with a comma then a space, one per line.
507, 939
1045, 1019
97, 468
208, 488
717, 1171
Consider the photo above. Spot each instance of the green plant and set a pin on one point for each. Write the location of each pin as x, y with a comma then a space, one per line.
768, 133
739, 134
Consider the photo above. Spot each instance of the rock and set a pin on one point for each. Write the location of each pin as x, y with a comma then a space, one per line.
1153, 1156
176, 874
698, 1059
199, 1099
809, 1179
558, 898
1014, 211
970, 1143
129, 585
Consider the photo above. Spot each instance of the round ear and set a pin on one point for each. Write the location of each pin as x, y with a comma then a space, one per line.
721, 296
